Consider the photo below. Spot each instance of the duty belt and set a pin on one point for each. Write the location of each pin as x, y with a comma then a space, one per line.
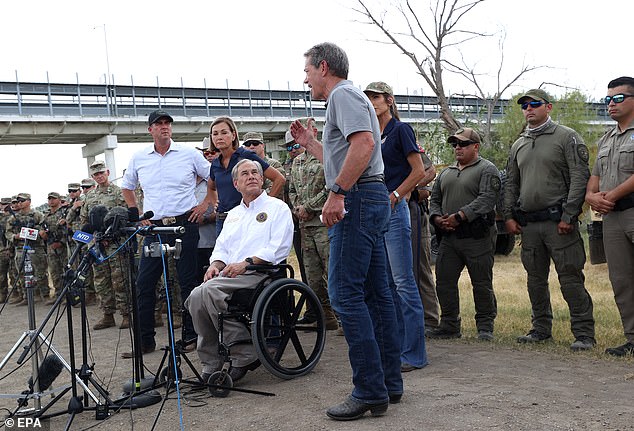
172, 220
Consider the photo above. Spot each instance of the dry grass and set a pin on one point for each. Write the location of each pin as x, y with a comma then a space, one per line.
514, 309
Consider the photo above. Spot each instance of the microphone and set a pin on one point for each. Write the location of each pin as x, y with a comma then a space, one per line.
147, 215
49, 369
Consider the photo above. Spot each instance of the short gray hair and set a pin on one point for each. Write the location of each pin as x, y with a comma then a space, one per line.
234, 171
333, 55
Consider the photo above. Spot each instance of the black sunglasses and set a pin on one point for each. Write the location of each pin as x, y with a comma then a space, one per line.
533, 104
462, 144
20, 200
617, 98
86, 187
72, 191
254, 143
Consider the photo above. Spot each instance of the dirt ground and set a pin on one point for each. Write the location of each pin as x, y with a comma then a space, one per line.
468, 385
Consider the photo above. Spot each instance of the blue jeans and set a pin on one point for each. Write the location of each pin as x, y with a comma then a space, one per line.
409, 306
360, 294
151, 269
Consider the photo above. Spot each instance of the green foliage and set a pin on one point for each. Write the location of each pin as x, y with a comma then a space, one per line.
432, 136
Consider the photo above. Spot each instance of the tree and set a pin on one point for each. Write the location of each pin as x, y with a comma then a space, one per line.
440, 42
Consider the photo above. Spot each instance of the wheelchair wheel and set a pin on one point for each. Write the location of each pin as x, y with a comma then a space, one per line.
222, 384
286, 349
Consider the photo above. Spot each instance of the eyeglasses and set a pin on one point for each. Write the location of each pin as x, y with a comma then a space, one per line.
20, 200
52, 197
209, 152
254, 143
617, 98
72, 191
293, 147
534, 104
462, 144
86, 187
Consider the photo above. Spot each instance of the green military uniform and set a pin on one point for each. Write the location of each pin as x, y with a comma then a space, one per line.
56, 246
13, 226
7, 252
474, 190
547, 173
308, 190
275, 164
73, 221
111, 275
614, 166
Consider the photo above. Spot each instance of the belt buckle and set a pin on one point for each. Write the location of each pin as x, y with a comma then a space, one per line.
168, 220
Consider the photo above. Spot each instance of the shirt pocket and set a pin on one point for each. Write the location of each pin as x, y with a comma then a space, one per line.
626, 156
603, 156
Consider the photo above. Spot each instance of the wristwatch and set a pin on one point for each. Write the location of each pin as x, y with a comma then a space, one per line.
396, 195
338, 190
249, 260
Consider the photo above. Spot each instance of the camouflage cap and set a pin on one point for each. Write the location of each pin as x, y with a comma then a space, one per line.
98, 166
74, 186
54, 195
14, 199
379, 87
464, 135
535, 94
26, 196
5, 201
88, 182
64, 198
253, 136
157, 115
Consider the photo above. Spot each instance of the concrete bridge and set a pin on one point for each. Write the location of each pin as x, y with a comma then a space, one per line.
100, 115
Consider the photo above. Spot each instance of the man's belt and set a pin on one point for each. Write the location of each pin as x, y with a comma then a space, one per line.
173, 220
221, 216
371, 179
553, 213
625, 203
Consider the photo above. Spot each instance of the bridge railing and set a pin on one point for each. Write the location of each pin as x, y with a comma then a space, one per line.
101, 100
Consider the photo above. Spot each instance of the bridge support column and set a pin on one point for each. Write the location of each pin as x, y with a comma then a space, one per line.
106, 146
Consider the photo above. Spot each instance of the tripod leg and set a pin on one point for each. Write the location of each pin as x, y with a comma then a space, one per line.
14, 349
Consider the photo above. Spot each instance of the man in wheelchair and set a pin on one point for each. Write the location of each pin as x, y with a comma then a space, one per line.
258, 231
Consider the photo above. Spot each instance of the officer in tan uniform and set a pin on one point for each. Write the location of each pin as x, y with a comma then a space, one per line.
610, 191
55, 235
111, 275
547, 173
26, 217
307, 194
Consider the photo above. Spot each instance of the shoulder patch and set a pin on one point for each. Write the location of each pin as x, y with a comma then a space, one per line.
582, 152
496, 183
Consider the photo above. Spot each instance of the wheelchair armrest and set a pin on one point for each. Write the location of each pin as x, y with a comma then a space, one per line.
280, 270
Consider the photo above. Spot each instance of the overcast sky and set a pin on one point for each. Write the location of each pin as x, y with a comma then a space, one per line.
583, 43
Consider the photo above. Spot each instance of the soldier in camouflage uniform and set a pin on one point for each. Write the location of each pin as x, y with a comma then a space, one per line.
26, 217
462, 209
111, 275
74, 223
307, 194
254, 141
547, 173
55, 235
7, 268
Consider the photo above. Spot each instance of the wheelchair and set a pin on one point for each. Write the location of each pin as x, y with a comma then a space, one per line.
270, 312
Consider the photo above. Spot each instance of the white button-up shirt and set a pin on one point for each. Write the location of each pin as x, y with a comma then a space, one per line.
264, 229
168, 181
